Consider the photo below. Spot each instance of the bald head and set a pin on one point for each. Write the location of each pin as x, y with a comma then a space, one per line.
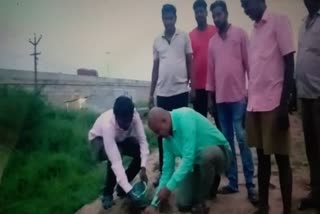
159, 121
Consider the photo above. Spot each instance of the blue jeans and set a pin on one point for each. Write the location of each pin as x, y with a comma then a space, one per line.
231, 117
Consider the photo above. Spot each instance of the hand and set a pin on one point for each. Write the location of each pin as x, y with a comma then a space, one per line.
143, 174
293, 100
192, 96
151, 102
164, 195
212, 104
133, 197
283, 117
150, 210
293, 105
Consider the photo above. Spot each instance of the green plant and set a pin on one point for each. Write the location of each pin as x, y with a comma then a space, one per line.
51, 169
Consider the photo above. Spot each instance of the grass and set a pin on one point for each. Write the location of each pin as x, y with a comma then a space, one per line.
50, 169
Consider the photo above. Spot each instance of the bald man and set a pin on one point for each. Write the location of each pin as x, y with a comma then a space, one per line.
204, 153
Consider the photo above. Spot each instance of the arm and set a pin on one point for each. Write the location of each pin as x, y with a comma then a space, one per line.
155, 75
144, 148
188, 52
114, 157
189, 69
155, 70
167, 170
244, 52
288, 81
245, 57
284, 36
188, 154
210, 84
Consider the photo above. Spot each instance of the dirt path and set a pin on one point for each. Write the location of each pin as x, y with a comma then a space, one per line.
236, 203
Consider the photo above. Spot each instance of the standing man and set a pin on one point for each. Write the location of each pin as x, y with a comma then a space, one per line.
172, 66
308, 84
227, 67
200, 37
271, 62
115, 133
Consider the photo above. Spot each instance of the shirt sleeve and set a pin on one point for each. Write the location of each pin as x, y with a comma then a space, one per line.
188, 46
167, 169
188, 140
210, 84
114, 157
144, 148
284, 35
155, 50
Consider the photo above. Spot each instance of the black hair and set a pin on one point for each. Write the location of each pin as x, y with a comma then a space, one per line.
123, 107
169, 8
200, 4
219, 3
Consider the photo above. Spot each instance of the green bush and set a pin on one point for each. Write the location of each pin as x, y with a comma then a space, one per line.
50, 170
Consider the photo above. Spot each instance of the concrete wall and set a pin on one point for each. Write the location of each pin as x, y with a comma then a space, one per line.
73, 91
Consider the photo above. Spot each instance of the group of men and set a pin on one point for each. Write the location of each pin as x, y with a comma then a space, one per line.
247, 86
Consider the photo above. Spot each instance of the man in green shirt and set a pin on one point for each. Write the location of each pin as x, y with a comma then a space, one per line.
204, 153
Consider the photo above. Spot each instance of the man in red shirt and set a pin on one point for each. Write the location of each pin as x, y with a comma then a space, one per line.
200, 37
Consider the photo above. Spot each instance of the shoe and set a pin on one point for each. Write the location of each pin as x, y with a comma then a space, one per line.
307, 203
184, 209
262, 211
226, 190
253, 197
200, 209
214, 188
120, 193
107, 201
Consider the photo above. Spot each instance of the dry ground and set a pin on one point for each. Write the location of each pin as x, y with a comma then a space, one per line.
237, 203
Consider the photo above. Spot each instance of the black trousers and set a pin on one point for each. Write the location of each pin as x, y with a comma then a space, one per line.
129, 147
169, 104
200, 104
311, 128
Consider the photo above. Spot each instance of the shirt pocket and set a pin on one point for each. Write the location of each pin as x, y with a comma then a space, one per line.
235, 48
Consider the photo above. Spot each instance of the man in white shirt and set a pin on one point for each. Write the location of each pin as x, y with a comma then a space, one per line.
118, 132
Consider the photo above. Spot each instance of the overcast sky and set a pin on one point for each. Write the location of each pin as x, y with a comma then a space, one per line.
78, 33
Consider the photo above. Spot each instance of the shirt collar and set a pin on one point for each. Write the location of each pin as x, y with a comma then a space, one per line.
264, 19
227, 32
175, 33
174, 121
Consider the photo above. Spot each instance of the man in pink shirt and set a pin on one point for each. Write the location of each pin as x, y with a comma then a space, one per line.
115, 133
200, 37
227, 67
271, 62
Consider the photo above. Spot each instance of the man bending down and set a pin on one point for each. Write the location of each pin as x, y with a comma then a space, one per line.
204, 153
120, 132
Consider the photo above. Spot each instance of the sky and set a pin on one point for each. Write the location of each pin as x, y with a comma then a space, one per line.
114, 37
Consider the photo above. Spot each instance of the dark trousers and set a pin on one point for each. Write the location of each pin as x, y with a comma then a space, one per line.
200, 104
129, 147
311, 128
169, 104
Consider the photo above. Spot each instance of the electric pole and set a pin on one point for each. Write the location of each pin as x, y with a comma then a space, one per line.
35, 43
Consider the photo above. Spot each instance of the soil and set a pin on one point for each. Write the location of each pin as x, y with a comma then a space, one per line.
235, 203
